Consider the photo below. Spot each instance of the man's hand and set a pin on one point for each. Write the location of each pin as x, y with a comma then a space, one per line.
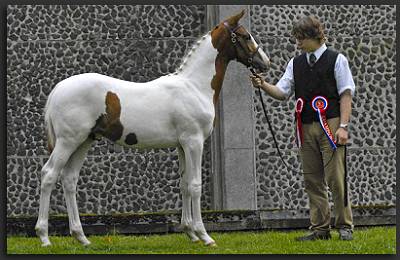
341, 136
256, 80
272, 90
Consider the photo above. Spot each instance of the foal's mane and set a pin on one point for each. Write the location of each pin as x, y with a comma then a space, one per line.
190, 51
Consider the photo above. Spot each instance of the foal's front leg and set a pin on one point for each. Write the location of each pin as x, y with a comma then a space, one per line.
186, 219
193, 149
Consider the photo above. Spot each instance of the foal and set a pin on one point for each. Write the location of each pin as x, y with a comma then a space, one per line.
176, 110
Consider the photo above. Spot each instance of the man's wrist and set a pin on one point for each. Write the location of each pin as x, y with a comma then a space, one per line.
344, 126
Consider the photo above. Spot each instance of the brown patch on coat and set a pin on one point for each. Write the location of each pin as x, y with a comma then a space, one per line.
109, 124
218, 37
218, 79
50, 147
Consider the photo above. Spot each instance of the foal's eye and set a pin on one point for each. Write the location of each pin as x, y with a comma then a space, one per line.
248, 37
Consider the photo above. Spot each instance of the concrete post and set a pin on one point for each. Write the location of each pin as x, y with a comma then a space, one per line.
233, 148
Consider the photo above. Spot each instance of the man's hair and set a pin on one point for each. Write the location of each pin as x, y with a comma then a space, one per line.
308, 27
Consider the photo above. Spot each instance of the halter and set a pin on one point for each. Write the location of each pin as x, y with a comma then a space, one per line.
234, 40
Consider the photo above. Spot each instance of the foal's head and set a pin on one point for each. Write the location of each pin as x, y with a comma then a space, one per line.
233, 41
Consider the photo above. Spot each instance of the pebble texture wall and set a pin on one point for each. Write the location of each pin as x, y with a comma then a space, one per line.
366, 36
46, 44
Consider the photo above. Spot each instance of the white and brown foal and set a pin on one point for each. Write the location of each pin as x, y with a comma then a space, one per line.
176, 110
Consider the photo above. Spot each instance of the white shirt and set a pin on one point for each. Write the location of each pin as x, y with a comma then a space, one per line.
344, 79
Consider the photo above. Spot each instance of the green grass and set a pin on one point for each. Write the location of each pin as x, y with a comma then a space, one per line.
376, 240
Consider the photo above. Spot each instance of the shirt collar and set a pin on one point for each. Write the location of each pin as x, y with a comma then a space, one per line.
318, 53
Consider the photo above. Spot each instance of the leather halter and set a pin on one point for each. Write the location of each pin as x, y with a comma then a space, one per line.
234, 40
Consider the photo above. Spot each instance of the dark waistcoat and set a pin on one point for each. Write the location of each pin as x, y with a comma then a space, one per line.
318, 80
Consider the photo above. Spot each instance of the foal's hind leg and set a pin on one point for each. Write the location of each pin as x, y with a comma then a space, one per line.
50, 172
186, 219
69, 179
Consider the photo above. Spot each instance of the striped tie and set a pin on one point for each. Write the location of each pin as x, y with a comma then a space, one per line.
313, 59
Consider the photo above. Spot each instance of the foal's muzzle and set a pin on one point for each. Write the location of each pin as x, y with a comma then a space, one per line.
259, 63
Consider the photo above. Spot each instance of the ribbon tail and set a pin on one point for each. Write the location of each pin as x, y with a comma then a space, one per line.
299, 132
325, 127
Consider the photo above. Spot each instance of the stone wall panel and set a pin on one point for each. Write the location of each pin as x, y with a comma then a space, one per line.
47, 44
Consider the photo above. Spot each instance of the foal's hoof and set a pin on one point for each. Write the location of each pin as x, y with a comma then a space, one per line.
85, 242
46, 243
80, 236
212, 244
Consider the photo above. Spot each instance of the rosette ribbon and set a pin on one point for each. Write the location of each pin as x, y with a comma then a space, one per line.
320, 105
299, 126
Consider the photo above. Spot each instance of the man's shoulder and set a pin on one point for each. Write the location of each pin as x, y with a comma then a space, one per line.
332, 51
339, 56
299, 55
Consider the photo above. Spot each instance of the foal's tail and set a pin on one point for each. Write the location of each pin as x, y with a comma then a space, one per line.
51, 138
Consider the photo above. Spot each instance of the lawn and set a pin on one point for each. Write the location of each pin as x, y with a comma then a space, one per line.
375, 240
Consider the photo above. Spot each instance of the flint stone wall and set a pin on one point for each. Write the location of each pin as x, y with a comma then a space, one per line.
46, 44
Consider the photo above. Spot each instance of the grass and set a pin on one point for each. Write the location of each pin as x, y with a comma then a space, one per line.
376, 240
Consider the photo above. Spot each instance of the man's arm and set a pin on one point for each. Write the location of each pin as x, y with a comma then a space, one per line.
341, 135
346, 88
345, 106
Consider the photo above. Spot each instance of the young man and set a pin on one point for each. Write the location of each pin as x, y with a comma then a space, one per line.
323, 87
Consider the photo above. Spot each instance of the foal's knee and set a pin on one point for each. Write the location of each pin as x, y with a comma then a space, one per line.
194, 189
69, 184
48, 179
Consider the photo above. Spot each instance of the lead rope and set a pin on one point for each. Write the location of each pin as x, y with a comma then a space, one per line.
269, 123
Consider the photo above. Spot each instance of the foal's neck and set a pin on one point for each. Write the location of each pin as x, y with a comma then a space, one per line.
205, 67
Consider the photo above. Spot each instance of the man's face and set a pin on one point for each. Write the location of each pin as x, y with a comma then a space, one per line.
308, 45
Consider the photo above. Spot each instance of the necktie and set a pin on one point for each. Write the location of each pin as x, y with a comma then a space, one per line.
313, 59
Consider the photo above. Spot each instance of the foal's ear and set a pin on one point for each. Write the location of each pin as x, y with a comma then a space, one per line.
234, 20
